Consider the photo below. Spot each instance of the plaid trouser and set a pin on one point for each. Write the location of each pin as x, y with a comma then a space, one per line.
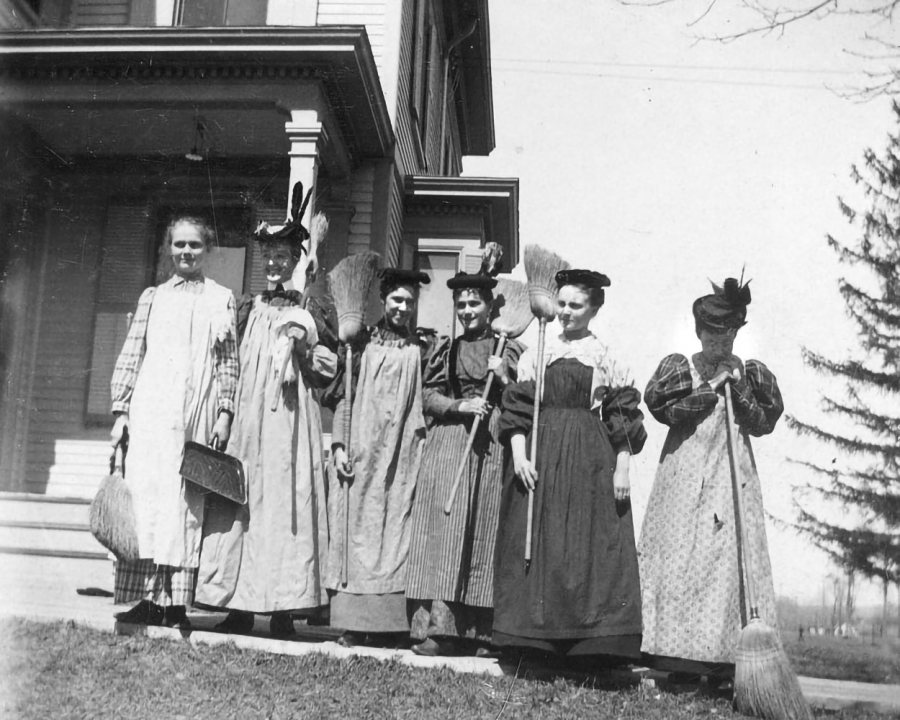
161, 584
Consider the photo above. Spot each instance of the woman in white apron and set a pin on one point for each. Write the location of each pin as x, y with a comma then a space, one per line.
267, 556
174, 381
385, 444
693, 594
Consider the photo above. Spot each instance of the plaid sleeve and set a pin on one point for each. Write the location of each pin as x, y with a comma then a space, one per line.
671, 397
129, 361
227, 366
757, 399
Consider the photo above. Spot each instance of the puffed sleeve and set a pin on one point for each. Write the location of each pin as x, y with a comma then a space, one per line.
227, 367
333, 395
244, 306
620, 410
671, 397
129, 361
517, 411
325, 315
436, 399
757, 399
511, 354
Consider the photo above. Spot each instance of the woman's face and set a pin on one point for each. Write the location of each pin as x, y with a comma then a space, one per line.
188, 250
472, 311
278, 261
399, 305
717, 344
574, 310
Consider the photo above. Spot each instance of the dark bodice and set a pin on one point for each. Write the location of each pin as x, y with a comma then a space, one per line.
567, 384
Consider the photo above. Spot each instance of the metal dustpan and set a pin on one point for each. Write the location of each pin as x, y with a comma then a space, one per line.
215, 471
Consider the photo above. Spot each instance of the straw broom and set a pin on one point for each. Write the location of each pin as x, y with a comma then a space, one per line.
541, 267
350, 283
764, 684
513, 316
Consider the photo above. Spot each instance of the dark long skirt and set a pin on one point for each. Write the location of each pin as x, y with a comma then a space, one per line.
581, 593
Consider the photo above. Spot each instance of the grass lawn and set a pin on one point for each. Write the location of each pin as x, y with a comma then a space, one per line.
846, 658
61, 670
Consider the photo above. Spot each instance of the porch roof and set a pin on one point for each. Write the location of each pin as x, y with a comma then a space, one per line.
249, 79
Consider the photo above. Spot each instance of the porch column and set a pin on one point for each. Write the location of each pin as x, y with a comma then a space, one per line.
306, 135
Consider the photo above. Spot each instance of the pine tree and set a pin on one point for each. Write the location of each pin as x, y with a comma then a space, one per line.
867, 492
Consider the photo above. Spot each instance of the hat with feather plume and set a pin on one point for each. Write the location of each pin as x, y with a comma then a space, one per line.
485, 278
292, 231
726, 307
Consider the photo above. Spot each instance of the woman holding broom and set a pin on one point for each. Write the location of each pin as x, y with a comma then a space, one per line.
367, 569
451, 571
580, 593
693, 594
174, 381
267, 556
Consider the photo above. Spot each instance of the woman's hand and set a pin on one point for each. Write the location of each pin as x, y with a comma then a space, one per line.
221, 430
474, 406
341, 462
497, 366
731, 365
621, 483
298, 334
524, 468
119, 430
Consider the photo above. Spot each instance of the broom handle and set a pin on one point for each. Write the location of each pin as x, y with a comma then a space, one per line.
348, 407
448, 506
739, 502
538, 388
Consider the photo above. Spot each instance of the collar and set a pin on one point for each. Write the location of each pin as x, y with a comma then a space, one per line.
289, 285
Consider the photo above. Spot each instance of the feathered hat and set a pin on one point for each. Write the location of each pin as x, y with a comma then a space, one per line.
485, 278
726, 307
292, 232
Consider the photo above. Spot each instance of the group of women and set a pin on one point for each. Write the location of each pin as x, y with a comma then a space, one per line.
367, 544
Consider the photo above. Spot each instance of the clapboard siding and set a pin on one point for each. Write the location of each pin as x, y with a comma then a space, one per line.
370, 13
90, 13
395, 221
362, 198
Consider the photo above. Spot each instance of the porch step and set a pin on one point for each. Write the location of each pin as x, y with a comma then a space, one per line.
36, 525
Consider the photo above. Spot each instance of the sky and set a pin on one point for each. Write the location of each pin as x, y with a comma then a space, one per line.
664, 161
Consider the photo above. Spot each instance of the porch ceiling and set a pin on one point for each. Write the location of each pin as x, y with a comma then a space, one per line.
140, 92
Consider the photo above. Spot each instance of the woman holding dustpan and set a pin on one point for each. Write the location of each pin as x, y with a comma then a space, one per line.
174, 381
266, 556
692, 587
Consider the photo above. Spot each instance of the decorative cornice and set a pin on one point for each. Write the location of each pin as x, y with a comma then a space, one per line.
340, 57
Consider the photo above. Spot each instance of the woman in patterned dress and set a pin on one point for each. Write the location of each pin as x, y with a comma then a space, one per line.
383, 452
581, 594
174, 381
693, 598
267, 557
451, 564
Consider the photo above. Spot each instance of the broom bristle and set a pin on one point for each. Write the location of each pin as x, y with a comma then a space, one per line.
350, 283
112, 520
765, 686
512, 308
541, 266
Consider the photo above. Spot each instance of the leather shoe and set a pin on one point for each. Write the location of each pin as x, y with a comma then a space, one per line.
485, 652
175, 616
144, 613
281, 624
351, 639
237, 622
433, 648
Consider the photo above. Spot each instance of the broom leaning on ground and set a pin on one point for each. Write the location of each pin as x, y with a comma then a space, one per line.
765, 686
513, 316
350, 283
541, 267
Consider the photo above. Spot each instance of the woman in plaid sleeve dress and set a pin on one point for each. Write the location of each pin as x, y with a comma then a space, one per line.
174, 381
693, 599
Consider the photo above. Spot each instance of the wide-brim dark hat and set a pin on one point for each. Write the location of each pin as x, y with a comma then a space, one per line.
474, 281
725, 308
588, 278
394, 277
